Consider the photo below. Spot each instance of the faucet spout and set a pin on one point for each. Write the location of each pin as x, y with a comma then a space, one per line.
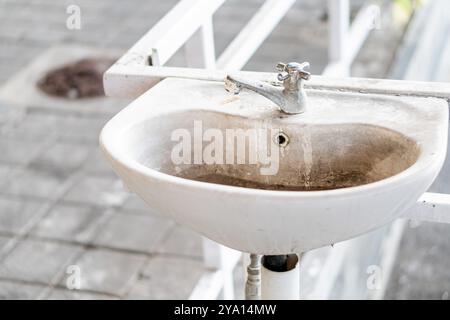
291, 98
235, 84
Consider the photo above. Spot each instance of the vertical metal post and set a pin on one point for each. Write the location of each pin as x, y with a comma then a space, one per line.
253, 282
338, 26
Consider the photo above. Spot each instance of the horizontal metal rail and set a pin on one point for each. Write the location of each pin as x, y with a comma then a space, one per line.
130, 81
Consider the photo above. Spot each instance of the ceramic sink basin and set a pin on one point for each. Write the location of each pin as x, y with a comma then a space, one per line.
351, 163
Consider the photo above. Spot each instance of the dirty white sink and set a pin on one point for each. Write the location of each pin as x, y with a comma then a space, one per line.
351, 163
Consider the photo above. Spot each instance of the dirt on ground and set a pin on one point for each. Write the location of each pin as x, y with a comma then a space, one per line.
80, 79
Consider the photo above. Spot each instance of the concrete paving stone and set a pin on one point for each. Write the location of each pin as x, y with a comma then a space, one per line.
10, 290
156, 8
71, 223
167, 278
96, 163
108, 271
41, 33
421, 267
11, 49
30, 127
61, 158
82, 3
5, 171
270, 52
143, 19
18, 151
133, 232
39, 261
10, 114
98, 190
3, 241
33, 13
4, 76
288, 36
135, 204
182, 241
222, 40
34, 183
80, 129
9, 33
28, 51
62, 294
6, 72
17, 214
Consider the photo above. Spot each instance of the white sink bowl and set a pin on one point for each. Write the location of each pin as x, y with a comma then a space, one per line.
354, 162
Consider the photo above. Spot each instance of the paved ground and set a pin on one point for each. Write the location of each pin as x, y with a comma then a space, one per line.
60, 204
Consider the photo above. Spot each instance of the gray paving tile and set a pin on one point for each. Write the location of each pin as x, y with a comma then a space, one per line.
182, 241
37, 261
31, 127
82, 129
421, 268
10, 290
34, 183
9, 115
5, 171
108, 271
96, 164
61, 294
17, 214
135, 204
98, 190
133, 232
167, 278
61, 158
3, 241
71, 223
18, 151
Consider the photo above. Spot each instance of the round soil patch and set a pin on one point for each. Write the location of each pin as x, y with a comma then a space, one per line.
81, 79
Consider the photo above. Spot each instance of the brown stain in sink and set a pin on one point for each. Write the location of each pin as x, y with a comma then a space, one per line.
339, 159
342, 181
318, 157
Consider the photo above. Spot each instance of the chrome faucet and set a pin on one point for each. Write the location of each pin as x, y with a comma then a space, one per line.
291, 98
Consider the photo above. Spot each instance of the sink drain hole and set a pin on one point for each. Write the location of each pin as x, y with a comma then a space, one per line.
281, 139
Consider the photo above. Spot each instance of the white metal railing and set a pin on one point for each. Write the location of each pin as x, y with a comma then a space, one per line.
241, 49
189, 24
346, 40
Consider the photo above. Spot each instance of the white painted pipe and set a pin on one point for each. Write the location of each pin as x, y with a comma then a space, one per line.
283, 285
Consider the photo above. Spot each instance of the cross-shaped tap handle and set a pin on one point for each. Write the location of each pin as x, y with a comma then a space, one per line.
293, 69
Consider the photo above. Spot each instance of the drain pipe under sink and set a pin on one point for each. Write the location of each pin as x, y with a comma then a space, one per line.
280, 277
277, 279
